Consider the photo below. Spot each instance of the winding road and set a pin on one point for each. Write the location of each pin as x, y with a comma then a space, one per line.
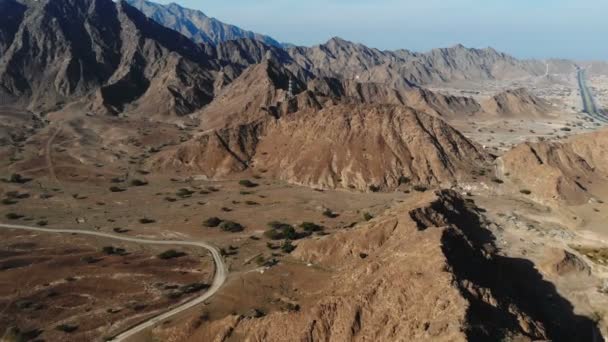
589, 105
218, 279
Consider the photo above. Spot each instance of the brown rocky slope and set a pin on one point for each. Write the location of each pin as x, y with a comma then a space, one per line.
371, 146
106, 52
517, 103
426, 270
331, 134
559, 171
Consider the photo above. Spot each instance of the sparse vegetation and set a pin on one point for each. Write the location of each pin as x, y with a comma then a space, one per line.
139, 182
117, 189
404, 180
288, 247
171, 254
14, 216
212, 222
247, 183
231, 226
525, 192
146, 220
374, 188
311, 227
67, 328
111, 250
420, 188
280, 231
497, 180
329, 213
9, 201
184, 193
17, 178
367, 216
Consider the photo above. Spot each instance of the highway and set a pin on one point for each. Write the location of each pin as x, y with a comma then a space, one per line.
218, 279
589, 105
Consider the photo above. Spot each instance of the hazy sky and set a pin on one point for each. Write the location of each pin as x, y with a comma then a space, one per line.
575, 29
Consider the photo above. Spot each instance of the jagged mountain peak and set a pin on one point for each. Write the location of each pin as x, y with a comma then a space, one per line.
195, 24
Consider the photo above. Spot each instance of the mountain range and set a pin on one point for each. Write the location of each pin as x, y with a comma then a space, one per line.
195, 24
111, 58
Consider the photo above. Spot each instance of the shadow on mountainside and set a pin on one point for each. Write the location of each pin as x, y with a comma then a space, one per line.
508, 296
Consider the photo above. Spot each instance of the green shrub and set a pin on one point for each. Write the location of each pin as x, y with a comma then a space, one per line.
17, 178
232, 227
110, 250
288, 247
67, 328
9, 201
374, 188
139, 182
404, 180
212, 222
274, 234
367, 216
280, 231
193, 288
420, 188
329, 213
14, 216
171, 254
311, 227
184, 193
247, 183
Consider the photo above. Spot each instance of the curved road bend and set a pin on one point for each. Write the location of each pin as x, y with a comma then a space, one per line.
218, 279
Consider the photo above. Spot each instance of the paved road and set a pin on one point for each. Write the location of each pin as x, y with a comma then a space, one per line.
218, 279
589, 105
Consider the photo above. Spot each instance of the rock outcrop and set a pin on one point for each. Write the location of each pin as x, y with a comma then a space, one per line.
559, 171
517, 103
426, 270
363, 146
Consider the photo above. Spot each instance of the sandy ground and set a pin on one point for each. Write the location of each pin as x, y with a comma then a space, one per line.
69, 280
